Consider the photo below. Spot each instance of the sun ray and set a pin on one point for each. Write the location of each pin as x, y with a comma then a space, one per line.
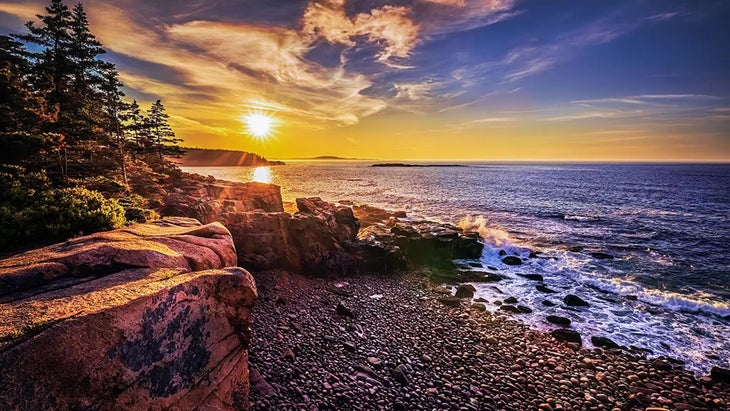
259, 125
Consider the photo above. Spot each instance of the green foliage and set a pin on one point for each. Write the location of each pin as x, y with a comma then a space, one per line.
33, 212
140, 215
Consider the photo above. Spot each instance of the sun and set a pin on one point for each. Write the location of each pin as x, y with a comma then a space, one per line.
258, 125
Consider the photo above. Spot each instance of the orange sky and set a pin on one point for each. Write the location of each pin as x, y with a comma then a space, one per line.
427, 79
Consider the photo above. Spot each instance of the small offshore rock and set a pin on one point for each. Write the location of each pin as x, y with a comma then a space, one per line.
534, 277
556, 319
510, 300
512, 260
544, 289
720, 374
602, 256
575, 301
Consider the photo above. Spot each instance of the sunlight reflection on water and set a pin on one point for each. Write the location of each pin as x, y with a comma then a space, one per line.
261, 174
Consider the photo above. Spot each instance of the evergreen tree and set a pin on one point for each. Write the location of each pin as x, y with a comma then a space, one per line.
115, 112
136, 129
13, 91
164, 142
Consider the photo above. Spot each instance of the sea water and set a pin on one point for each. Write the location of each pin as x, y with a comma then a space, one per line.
666, 290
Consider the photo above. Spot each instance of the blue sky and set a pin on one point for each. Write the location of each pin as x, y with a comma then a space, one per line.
628, 79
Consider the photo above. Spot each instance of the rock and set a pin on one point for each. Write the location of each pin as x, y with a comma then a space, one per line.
575, 249
510, 300
465, 291
259, 385
288, 355
534, 277
475, 264
206, 200
574, 301
548, 303
141, 330
543, 289
661, 364
502, 253
512, 260
554, 319
400, 374
176, 243
441, 290
450, 301
602, 256
422, 242
374, 361
565, 335
524, 309
479, 306
533, 255
720, 374
461, 276
603, 342
369, 215
319, 239
344, 311
510, 309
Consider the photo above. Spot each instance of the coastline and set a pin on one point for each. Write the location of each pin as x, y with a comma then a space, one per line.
403, 349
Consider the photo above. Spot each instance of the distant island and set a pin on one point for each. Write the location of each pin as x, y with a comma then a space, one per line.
416, 165
200, 157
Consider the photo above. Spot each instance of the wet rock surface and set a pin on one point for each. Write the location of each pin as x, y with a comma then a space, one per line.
141, 318
409, 350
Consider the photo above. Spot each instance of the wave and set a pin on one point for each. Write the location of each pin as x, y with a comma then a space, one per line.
490, 235
580, 217
695, 304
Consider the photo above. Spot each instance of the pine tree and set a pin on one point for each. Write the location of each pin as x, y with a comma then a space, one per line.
135, 128
114, 114
163, 139
13, 90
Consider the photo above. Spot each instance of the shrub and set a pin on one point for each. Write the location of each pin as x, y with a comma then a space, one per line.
32, 213
140, 215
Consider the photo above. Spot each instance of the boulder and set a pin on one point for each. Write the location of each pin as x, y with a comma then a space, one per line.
206, 199
533, 277
453, 276
565, 335
510, 309
512, 260
544, 289
369, 215
554, 319
602, 256
720, 374
465, 291
319, 239
575, 301
603, 342
145, 317
180, 243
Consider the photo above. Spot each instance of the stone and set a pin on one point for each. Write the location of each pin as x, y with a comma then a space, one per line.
575, 301
142, 317
344, 310
510, 309
524, 309
554, 319
512, 260
510, 300
565, 335
465, 291
603, 342
450, 301
548, 303
720, 374
177, 243
206, 200
602, 256
543, 289
534, 277
400, 374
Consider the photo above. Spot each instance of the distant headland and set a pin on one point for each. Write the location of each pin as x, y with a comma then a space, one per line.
200, 157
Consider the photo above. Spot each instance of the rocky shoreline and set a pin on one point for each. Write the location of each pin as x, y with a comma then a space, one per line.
351, 314
397, 346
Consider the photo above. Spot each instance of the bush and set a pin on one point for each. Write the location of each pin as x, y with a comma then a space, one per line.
140, 215
32, 213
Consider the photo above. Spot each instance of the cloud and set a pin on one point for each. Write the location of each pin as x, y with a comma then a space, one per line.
390, 27
449, 16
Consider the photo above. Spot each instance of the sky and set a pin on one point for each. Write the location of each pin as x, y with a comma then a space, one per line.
529, 80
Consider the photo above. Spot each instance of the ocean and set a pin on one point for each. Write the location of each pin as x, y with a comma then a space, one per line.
666, 290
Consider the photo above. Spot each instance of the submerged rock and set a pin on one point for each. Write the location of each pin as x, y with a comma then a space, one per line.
602, 256
554, 319
512, 260
544, 289
534, 277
